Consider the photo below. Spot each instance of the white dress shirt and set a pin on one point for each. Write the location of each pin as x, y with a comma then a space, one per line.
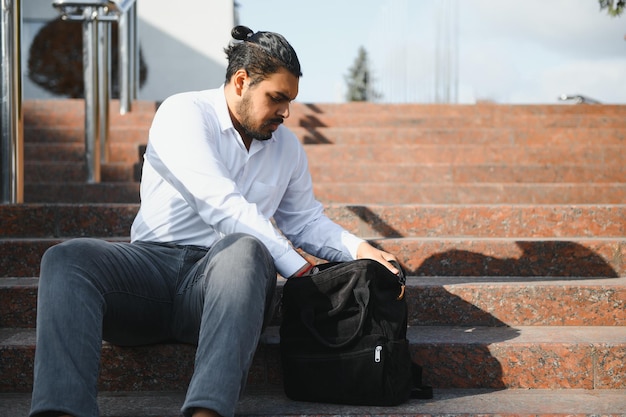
200, 183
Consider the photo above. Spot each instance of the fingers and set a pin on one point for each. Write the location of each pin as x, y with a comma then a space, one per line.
367, 251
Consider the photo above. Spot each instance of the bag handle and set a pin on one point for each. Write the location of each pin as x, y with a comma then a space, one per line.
362, 297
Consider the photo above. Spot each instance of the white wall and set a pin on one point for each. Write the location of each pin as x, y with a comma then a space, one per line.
182, 43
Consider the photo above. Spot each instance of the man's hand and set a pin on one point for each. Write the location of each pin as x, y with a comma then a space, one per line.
367, 251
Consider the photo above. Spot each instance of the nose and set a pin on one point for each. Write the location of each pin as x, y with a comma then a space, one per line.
283, 111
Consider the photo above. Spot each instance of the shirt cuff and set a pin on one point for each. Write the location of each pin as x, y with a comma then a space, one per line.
351, 242
289, 263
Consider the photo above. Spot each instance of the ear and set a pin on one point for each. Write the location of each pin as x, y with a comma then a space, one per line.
240, 80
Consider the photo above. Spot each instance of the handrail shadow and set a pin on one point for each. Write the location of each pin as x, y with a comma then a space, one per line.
548, 259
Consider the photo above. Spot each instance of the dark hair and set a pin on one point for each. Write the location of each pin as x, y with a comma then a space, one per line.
260, 54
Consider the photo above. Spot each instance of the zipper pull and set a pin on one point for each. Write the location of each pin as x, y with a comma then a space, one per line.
377, 353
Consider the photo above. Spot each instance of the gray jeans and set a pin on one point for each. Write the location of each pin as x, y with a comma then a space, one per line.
145, 293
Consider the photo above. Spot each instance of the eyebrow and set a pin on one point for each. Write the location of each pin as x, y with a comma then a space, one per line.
284, 96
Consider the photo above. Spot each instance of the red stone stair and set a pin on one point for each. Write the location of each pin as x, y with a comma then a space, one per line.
510, 220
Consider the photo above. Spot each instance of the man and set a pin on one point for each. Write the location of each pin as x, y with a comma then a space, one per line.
202, 263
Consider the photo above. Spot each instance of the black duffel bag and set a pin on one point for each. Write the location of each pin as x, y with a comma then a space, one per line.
343, 337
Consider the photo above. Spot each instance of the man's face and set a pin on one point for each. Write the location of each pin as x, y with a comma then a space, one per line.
265, 105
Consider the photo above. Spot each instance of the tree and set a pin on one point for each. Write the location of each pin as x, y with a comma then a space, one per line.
613, 7
359, 80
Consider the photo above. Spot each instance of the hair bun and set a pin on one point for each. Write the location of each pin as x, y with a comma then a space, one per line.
241, 33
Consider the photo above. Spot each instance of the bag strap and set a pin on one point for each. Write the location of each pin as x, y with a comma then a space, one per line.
419, 391
401, 279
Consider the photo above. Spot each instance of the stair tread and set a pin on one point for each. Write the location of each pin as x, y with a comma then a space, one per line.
518, 335
420, 281
273, 402
468, 301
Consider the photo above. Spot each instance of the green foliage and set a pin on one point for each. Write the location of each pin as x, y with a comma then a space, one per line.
359, 80
613, 7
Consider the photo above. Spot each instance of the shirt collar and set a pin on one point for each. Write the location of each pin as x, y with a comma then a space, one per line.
221, 110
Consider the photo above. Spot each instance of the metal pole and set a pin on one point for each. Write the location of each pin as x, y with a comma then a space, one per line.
92, 131
134, 52
12, 151
124, 60
104, 86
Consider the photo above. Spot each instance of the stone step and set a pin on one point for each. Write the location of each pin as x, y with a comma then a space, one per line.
415, 119
117, 134
486, 136
352, 135
75, 152
433, 256
46, 171
512, 155
468, 193
464, 110
81, 193
367, 193
441, 301
535, 357
368, 221
465, 173
446, 402
430, 256
71, 111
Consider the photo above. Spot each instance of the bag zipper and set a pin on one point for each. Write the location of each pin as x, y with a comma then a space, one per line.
377, 352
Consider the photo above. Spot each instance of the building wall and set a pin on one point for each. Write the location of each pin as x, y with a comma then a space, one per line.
181, 42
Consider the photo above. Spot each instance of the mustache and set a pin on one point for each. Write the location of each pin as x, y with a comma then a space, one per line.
277, 120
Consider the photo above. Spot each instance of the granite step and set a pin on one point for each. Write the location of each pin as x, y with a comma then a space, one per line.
425, 256
511, 155
71, 113
416, 119
82, 193
369, 221
464, 110
46, 171
521, 136
524, 357
137, 133
367, 193
446, 402
62, 171
565, 172
441, 301
469, 193
353, 135
127, 152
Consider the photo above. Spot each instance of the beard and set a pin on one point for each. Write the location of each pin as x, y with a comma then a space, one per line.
261, 132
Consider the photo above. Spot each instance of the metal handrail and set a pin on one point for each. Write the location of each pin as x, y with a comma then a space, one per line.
12, 152
73, 10
96, 16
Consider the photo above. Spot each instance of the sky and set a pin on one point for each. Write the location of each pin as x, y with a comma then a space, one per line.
460, 51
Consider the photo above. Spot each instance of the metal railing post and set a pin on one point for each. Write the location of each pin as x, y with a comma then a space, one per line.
96, 16
124, 60
104, 86
90, 75
12, 152
134, 51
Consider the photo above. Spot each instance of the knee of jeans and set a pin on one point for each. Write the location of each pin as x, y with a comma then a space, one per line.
66, 261
247, 248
